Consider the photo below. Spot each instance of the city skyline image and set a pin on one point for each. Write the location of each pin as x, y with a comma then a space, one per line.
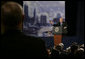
38, 15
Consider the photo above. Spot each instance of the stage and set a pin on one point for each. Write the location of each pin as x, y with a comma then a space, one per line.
66, 40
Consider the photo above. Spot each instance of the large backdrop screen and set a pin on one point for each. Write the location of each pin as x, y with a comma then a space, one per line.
40, 15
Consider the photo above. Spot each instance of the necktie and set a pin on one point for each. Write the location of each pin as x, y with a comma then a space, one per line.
61, 24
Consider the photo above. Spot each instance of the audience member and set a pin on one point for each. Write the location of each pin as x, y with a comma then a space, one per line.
14, 43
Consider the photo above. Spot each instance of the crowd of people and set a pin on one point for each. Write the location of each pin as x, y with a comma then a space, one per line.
14, 44
73, 51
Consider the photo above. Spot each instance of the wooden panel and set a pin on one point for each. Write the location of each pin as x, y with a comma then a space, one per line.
57, 39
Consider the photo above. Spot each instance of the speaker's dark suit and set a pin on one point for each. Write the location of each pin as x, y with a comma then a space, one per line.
15, 44
64, 27
58, 24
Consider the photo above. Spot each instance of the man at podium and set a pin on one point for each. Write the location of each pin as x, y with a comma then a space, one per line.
61, 22
59, 29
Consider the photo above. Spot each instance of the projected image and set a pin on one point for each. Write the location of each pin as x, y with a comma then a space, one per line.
40, 17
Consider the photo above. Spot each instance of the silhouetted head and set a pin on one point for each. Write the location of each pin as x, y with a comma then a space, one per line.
11, 16
62, 45
74, 48
59, 48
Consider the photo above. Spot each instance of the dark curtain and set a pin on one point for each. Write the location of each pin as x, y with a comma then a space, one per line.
80, 20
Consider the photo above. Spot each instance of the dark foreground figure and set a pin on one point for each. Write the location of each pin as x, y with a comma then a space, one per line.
14, 44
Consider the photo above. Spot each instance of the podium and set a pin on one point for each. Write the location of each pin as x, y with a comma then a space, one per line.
58, 31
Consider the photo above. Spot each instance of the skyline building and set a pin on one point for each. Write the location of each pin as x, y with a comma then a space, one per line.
43, 20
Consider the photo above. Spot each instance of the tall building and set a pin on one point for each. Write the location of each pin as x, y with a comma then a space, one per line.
43, 20
32, 19
37, 22
26, 13
35, 18
58, 15
34, 13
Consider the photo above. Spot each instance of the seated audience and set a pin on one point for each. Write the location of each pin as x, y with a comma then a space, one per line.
73, 51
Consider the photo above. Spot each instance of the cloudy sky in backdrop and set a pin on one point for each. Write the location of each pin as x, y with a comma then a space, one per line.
48, 8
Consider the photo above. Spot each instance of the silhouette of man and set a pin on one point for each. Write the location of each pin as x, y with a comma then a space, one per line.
14, 43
